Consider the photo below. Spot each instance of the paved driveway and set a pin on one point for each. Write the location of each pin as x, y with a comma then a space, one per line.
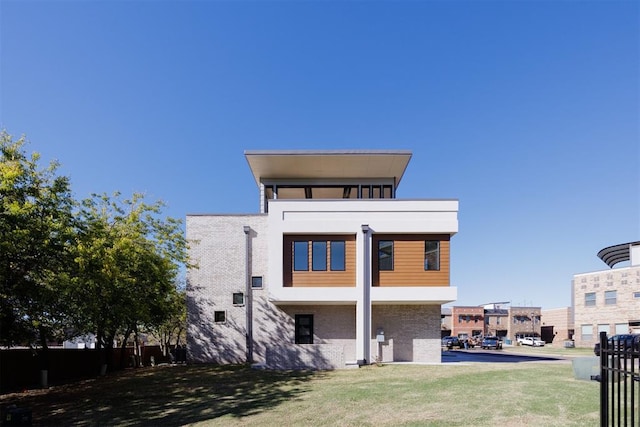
494, 356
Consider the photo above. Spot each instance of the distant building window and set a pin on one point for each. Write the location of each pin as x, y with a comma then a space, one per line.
337, 248
622, 328
219, 316
603, 328
256, 282
319, 256
610, 297
238, 298
304, 329
301, 256
636, 294
385, 255
431, 255
586, 332
590, 299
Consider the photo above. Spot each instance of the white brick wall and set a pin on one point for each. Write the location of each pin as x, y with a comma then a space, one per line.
218, 247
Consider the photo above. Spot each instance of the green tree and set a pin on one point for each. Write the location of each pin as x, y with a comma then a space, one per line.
173, 330
127, 259
36, 237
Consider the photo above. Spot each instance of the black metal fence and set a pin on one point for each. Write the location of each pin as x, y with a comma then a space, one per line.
619, 380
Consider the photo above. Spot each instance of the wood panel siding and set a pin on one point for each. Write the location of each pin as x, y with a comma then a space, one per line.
328, 278
408, 261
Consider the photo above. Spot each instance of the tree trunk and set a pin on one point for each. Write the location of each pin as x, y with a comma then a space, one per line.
44, 358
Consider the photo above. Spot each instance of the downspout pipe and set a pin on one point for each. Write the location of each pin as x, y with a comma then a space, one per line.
366, 295
248, 295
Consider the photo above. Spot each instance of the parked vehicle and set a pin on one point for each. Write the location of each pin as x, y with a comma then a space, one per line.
532, 341
626, 342
451, 342
491, 343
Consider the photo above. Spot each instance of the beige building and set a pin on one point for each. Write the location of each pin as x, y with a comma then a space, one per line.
609, 300
557, 325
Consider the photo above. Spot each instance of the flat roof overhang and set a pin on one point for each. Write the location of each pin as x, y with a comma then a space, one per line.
327, 164
612, 255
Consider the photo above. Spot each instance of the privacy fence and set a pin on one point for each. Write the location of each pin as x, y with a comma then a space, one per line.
21, 368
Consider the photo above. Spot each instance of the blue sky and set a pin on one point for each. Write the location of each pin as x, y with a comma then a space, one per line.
527, 112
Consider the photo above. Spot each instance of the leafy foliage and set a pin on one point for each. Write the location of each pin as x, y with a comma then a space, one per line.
36, 235
105, 265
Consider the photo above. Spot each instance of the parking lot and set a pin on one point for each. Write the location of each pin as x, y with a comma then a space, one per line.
493, 356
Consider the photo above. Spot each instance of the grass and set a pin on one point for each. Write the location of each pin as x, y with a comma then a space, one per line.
514, 394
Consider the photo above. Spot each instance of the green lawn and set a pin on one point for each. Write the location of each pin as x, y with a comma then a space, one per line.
514, 394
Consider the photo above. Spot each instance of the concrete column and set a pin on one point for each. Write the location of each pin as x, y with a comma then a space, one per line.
363, 303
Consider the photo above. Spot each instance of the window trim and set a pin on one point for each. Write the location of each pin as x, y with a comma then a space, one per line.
218, 313
301, 339
382, 255
235, 302
428, 252
254, 279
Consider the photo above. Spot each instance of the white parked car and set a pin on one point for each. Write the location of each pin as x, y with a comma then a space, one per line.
532, 341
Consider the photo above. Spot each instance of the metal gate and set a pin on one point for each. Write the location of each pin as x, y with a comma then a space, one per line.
619, 380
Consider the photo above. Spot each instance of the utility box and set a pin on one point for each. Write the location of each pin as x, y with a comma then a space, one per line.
380, 336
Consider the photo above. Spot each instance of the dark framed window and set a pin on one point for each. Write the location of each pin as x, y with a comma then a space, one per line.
432, 255
337, 249
319, 256
238, 298
385, 255
219, 316
256, 282
304, 328
301, 256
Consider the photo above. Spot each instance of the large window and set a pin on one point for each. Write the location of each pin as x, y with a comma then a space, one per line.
319, 256
590, 299
301, 256
337, 255
325, 255
610, 297
304, 329
385, 255
431, 255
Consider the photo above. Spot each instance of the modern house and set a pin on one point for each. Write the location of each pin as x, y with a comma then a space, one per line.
334, 271
608, 300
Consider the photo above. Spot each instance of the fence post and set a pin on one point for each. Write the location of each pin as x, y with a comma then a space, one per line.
604, 380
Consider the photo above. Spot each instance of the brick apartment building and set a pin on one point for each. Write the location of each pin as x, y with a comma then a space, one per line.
608, 300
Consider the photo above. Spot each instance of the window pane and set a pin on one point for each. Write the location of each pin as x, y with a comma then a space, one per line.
385, 255
590, 299
256, 282
586, 332
219, 316
304, 329
319, 256
301, 256
338, 255
431, 255
610, 297
238, 298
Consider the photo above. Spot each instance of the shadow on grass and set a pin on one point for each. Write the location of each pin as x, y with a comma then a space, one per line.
164, 395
